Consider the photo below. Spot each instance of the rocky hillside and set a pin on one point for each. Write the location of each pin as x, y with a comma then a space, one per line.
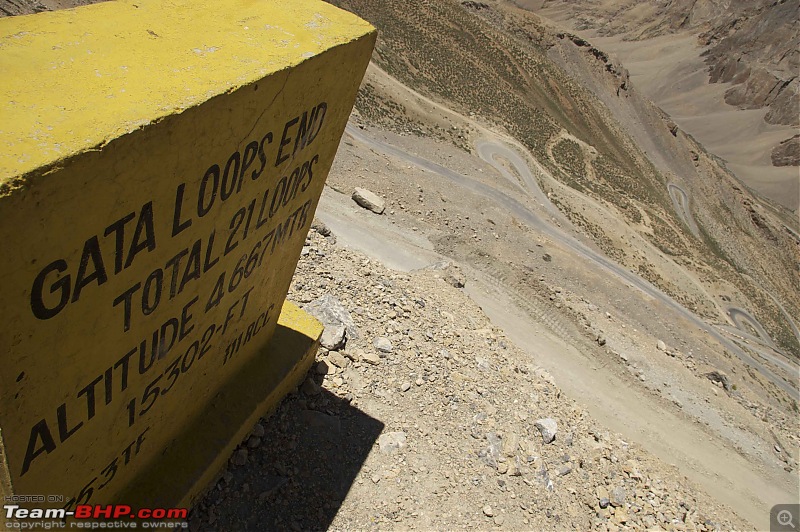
553, 308
755, 45
505, 67
411, 421
10, 8
757, 48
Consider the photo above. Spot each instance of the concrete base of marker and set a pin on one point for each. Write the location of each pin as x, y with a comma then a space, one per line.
189, 465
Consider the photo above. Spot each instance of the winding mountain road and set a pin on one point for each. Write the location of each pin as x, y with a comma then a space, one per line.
488, 150
737, 315
681, 202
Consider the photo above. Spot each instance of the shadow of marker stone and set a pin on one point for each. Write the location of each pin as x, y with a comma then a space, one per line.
298, 478
192, 461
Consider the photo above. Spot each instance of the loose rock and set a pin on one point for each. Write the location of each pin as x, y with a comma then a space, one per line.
338, 360
391, 442
371, 358
330, 311
719, 377
369, 200
382, 344
333, 338
318, 226
239, 457
547, 428
310, 387
618, 496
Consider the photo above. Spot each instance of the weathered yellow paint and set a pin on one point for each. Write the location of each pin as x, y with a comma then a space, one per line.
192, 462
156, 188
75, 79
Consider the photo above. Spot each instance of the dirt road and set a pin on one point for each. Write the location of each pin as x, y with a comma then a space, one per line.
671, 435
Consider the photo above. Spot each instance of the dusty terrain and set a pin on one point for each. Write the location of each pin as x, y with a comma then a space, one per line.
594, 330
553, 247
431, 435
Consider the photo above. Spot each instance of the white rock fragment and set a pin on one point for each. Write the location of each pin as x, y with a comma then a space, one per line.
547, 428
369, 200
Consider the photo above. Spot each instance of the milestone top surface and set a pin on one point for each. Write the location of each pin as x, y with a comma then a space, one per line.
76, 79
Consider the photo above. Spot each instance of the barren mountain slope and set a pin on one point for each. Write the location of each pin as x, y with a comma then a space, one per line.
726, 71
637, 285
26, 7
504, 67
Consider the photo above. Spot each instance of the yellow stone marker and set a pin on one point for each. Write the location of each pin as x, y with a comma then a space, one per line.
160, 165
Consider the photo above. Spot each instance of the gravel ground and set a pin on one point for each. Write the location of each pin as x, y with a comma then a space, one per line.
429, 418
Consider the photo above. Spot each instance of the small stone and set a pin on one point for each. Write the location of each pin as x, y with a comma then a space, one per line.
382, 344
487, 511
239, 457
259, 430
369, 200
604, 502
330, 311
601, 339
618, 496
371, 358
564, 470
320, 227
491, 454
333, 337
621, 515
510, 444
548, 429
322, 368
390, 442
720, 379
419, 382
499, 520
502, 468
405, 386
310, 387
515, 469
544, 477
547, 257
454, 276
356, 355
661, 345
630, 467
253, 442
338, 360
